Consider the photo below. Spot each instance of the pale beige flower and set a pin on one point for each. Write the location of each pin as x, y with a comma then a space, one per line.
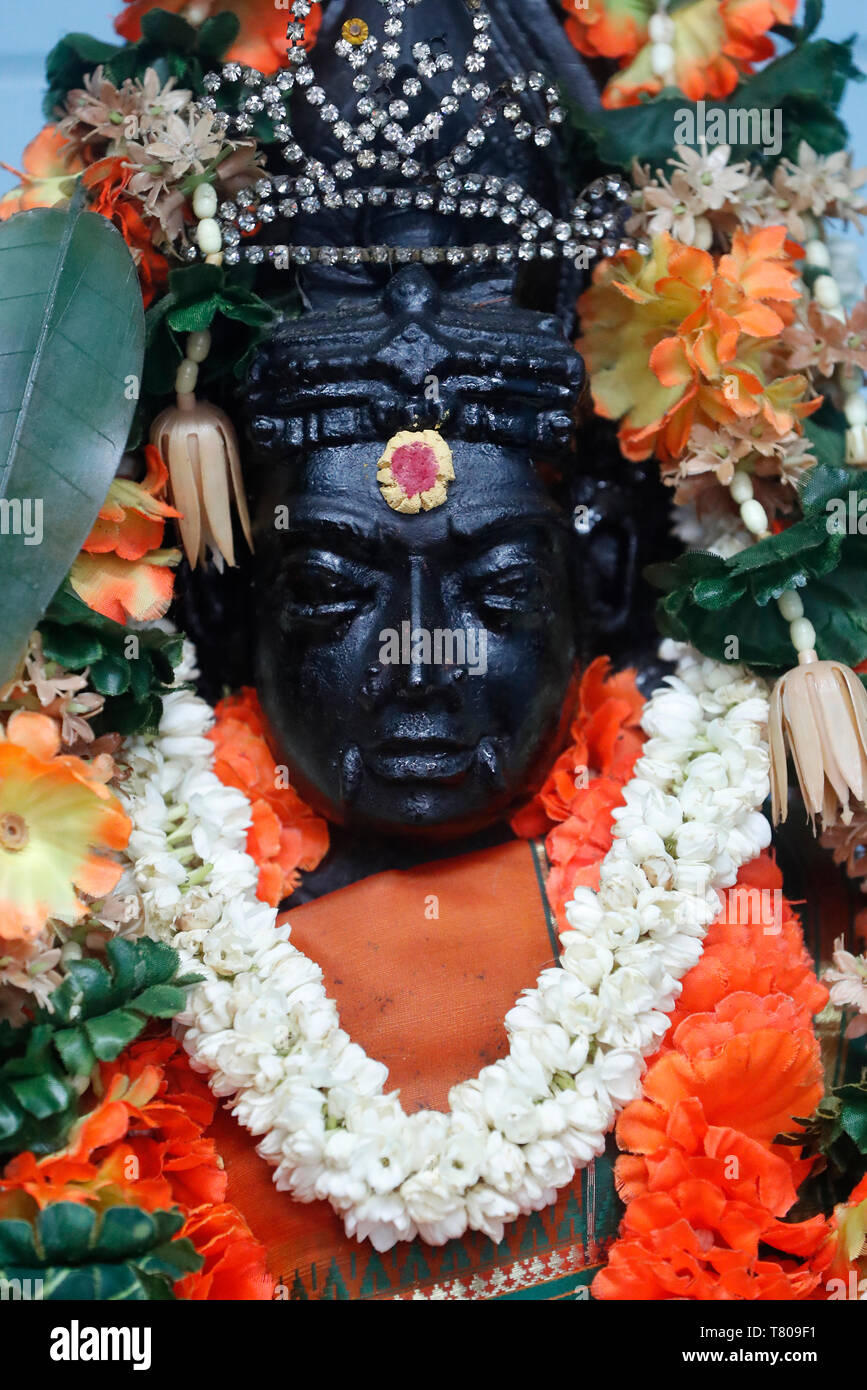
710, 451
821, 185
848, 845
823, 342
100, 111
29, 974
848, 980
60, 693
709, 177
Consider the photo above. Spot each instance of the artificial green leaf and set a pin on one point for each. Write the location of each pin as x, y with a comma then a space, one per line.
73, 647
110, 1034
122, 1253
75, 1051
218, 33
160, 1001
93, 1015
66, 65
167, 30
709, 600
68, 344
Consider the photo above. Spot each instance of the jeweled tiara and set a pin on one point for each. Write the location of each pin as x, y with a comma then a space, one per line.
391, 152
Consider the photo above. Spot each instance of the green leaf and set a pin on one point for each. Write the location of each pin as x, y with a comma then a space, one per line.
41, 1096
67, 63
167, 30
74, 648
110, 1034
123, 1253
75, 1051
110, 675
77, 637
68, 342
218, 33
195, 317
160, 1001
93, 1015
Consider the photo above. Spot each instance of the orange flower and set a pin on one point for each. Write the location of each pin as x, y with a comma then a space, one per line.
234, 1267
673, 340
130, 525
285, 836
261, 42
715, 44
107, 182
585, 784
706, 1188
56, 814
48, 177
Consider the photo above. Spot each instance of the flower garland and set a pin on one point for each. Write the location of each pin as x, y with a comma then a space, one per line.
262, 1025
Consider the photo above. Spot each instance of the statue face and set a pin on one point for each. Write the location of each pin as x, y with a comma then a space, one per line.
412, 668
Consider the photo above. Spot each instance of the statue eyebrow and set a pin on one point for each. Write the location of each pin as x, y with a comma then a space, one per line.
362, 538
462, 529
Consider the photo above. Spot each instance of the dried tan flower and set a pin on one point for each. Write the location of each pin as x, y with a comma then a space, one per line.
819, 709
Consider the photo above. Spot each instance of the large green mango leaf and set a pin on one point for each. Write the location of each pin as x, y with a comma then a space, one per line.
71, 351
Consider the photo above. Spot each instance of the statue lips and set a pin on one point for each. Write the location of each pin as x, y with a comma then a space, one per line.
421, 760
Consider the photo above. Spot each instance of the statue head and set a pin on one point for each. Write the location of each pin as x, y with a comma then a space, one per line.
421, 590
418, 606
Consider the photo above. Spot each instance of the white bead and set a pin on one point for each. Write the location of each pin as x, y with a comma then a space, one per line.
754, 517
855, 410
198, 346
803, 635
661, 59
660, 28
741, 487
208, 235
186, 377
790, 605
826, 292
818, 254
856, 444
204, 200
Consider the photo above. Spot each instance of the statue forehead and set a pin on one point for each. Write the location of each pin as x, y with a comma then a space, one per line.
491, 488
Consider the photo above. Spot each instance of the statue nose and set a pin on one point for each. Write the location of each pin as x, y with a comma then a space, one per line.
428, 653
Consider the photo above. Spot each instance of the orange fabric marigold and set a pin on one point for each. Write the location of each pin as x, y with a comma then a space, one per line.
285, 837
121, 571
573, 808
707, 1189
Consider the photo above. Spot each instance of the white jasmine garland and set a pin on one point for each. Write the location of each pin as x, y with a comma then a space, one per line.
264, 1029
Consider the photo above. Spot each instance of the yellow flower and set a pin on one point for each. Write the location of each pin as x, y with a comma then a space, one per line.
55, 814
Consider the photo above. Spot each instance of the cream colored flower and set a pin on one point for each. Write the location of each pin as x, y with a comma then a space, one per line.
848, 980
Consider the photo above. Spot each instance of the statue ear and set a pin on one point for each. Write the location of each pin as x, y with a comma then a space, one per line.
606, 534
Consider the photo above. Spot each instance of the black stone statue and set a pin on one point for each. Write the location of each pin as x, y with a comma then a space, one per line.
531, 557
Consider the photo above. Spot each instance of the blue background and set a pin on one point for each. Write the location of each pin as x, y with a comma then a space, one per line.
32, 27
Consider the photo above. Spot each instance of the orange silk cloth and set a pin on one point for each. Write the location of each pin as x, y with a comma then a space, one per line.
424, 964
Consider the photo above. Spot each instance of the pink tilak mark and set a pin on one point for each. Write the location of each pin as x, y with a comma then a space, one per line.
415, 467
